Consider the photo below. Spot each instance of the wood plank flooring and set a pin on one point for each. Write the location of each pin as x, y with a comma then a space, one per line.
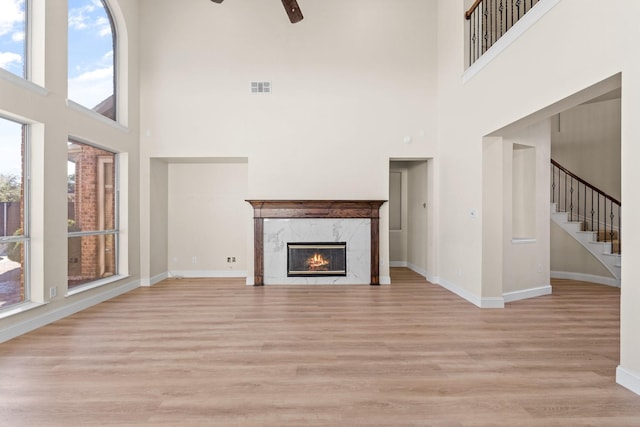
218, 353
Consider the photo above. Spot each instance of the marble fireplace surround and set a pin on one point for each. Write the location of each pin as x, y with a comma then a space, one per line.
314, 209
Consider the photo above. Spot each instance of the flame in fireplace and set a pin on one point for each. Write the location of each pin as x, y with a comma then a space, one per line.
317, 262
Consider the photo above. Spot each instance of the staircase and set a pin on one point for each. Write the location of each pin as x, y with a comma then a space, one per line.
608, 253
589, 215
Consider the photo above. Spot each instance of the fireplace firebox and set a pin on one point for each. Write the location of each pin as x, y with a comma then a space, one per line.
315, 259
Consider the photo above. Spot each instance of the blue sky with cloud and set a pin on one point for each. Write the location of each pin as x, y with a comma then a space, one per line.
12, 36
90, 53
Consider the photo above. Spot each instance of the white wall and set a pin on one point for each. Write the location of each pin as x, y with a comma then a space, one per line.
350, 82
515, 222
533, 79
159, 218
586, 140
526, 263
206, 200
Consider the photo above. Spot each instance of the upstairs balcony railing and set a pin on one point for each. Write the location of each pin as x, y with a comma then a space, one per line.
598, 211
491, 19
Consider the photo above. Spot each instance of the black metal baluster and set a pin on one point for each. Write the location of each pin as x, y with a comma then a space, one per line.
584, 212
604, 233
559, 185
598, 216
612, 217
592, 211
565, 193
501, 9
578, 196
511, 14
490, 23
494, 10
472, 40
485, 36
571, 200
476, 42
553, 184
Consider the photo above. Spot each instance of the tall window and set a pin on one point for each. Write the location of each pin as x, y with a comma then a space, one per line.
13, 227
91, 56
13, 36
92, 214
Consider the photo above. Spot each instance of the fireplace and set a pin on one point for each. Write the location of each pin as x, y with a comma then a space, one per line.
277, 222
306, 259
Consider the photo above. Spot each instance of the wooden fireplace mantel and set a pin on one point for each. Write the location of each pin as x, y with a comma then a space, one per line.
314, 209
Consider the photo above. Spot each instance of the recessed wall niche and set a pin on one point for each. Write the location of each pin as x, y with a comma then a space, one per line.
523, 192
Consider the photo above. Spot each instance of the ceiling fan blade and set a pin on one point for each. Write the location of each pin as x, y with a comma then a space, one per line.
217, 1
293, 10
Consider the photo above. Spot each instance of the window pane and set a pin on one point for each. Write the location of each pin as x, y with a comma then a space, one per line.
12, 258
91, 209
12, 289
91, 56
12, 36
91, 188
91, 258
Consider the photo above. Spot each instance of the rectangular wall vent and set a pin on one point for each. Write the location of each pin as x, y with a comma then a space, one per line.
260, 87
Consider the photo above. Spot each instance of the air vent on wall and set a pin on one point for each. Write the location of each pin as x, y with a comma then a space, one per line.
260, 87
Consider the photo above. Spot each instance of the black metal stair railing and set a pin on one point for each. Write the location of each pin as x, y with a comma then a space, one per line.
491, 19
585, 203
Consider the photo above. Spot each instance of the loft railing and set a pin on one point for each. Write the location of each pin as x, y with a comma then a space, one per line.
584, 202
491, 19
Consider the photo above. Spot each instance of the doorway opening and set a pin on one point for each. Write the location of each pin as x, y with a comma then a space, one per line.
411, 237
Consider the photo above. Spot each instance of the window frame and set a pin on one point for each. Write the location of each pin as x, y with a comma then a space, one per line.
115, 232
25, 238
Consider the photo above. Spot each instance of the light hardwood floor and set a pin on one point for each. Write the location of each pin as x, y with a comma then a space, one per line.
216, 352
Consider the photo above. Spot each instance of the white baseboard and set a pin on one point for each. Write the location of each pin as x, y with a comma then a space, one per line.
195, 274
601, 280
527, 293
39, 321
628, 379
492, 302
155, 279
418, 270
398, 264
489, 302
385, 280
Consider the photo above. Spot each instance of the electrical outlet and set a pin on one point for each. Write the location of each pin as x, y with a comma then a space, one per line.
228, 259
53, 292
233, 259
